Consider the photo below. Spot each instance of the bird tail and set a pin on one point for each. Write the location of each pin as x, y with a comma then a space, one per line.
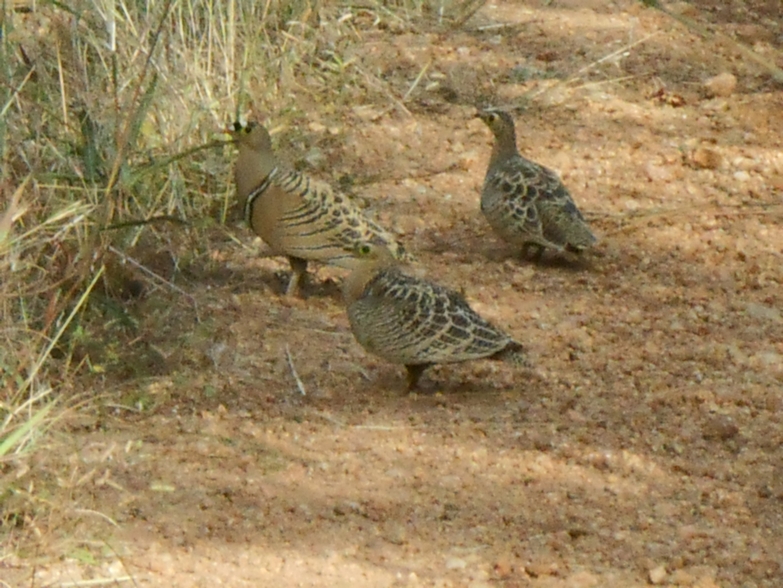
581, 238
513, 353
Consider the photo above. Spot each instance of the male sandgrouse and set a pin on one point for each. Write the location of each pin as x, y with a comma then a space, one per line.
298, 216
410, 321
526, 203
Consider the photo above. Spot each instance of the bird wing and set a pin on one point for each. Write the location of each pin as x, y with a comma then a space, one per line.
562, 223
305, 218
408, 320
510, 194
537, 204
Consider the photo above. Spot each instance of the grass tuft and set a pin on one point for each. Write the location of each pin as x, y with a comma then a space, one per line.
111, 145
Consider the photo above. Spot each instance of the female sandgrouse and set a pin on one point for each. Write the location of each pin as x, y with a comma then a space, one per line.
526, 203
297, 216
410, 321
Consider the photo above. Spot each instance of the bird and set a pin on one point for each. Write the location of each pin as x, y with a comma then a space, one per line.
526, 203
409, 320
299, 217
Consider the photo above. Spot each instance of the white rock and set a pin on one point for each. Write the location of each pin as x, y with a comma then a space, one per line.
657, 575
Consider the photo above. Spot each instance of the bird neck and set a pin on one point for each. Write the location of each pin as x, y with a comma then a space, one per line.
505, 146
357, 281
252, 168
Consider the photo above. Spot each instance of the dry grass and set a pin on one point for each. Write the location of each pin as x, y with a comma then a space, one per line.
111, 116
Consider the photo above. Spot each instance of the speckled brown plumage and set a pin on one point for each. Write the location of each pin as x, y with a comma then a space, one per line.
526, 203
411, 321
297, 216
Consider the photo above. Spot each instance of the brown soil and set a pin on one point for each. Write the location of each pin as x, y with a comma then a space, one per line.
647, 447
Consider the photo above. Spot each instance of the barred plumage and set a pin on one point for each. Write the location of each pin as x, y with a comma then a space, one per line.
411, 321
526, 203
298, 216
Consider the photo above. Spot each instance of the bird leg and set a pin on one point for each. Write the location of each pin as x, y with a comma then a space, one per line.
298, 271
414, 373
538, 251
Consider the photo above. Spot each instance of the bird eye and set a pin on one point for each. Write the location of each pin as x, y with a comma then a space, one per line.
364, 250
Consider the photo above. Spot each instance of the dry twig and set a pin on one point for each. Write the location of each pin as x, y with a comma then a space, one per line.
299, 384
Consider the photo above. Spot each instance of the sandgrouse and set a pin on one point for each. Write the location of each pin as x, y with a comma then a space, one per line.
526, 203
298, 216
410, 321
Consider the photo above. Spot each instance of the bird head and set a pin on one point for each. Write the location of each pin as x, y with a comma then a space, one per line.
496, 119
369, 259
375, 253
251, 135
255, 160
499, 121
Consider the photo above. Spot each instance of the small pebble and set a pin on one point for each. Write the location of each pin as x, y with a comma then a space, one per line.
543, 568
657, 575
658, 173
722, 85
682, 578
705, 158
719, 427
503, 567
582, 580
455, 563
395, 533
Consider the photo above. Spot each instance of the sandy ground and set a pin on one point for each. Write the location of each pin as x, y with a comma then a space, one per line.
646, 448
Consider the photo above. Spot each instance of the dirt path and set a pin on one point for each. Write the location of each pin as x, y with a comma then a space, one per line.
645, 449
